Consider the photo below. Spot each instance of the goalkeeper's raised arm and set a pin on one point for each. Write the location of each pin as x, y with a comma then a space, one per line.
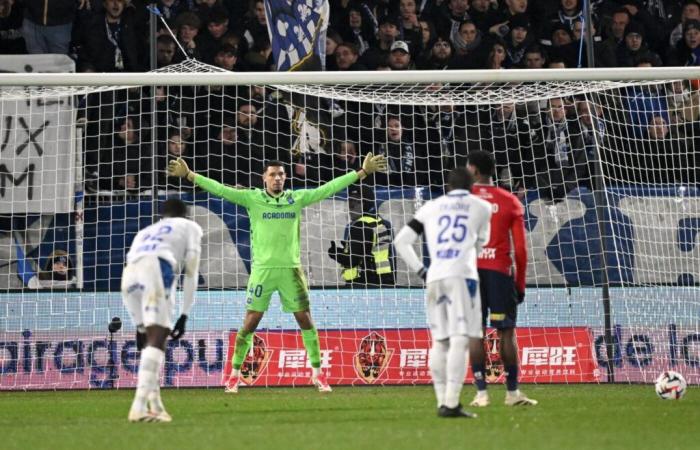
275, 223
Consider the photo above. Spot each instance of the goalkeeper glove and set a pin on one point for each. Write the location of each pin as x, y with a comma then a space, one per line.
422, 273
333, 251
374, 163
140, 337
178, 168
179, 328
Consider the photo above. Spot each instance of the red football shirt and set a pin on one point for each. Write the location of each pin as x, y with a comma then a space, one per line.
507, 234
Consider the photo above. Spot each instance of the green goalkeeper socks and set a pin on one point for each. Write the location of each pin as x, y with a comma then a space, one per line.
243, 341
313, 346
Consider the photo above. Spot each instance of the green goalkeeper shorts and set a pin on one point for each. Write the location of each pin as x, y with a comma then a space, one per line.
290, 283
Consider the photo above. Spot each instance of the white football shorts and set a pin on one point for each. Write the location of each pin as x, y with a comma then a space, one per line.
144, 283
453, 307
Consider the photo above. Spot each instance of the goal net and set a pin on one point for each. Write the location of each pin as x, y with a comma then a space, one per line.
606, 171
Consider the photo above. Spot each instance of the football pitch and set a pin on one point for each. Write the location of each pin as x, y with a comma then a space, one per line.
568, 417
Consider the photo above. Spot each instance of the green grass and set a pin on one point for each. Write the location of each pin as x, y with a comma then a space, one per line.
568, 417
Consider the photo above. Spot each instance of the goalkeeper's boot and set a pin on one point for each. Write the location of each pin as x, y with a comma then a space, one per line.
321, 382
481, 399
517, 398
457, 411
231, 386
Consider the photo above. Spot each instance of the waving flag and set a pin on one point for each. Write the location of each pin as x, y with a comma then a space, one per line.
298, 33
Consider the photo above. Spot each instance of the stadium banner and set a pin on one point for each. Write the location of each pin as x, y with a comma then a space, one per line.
60, 360
400, 356
297, 31
37, 143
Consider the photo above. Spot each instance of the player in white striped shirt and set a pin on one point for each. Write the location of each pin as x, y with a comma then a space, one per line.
158, 254
455, 226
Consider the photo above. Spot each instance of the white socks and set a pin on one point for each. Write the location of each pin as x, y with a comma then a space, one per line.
148, 387
315, 371
438, 365
456, 370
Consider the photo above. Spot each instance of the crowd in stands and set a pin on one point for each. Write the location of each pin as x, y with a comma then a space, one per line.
228, 132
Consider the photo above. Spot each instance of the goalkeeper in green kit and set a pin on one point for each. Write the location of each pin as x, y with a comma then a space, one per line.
275, 216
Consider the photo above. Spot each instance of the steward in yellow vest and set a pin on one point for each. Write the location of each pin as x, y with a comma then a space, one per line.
366, 255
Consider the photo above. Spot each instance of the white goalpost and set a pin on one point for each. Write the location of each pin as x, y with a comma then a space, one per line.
605, 161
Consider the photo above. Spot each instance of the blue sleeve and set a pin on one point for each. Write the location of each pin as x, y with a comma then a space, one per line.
24, 268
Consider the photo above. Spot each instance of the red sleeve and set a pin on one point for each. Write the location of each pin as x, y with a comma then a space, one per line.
518, 232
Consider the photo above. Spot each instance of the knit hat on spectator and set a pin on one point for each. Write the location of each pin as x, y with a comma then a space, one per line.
691, 24
389, 19
634, 27
217, 15
520, 21
228, 49
399, 46
559, 26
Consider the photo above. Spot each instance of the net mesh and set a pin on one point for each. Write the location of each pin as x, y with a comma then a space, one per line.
606, 171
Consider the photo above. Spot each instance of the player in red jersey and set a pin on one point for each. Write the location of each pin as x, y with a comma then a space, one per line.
501, 292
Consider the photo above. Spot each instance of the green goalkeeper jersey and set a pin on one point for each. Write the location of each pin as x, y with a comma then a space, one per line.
275, 222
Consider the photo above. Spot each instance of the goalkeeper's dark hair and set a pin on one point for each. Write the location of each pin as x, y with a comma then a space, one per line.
272, 163
174, 207
459, 178
483, 161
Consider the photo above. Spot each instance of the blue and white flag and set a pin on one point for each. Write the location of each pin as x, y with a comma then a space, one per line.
298, 33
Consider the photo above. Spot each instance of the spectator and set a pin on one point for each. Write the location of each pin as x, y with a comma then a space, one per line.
555, 62
496, 55
359, 29
500, 22
507, 137
620, 19
440, 56
346, 57
635, 48
400, 56
173, 8
251, 152
451, 18
333, 39
602, 55
517, 40
256, 25
165, 50
47, 26
447, 140
227, 58
409, 27
569, 11
379, 52
665, 157
481, 12
57, 273
401, 155
176, 147
562, 46
211, 40
690, 11
110, 42
222, 156
652, 28
534, 57
683, 103
344, 159
467, 44
187, 27
11, 39
561, 159
259, 57
122, 164
428, 36
687, 50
